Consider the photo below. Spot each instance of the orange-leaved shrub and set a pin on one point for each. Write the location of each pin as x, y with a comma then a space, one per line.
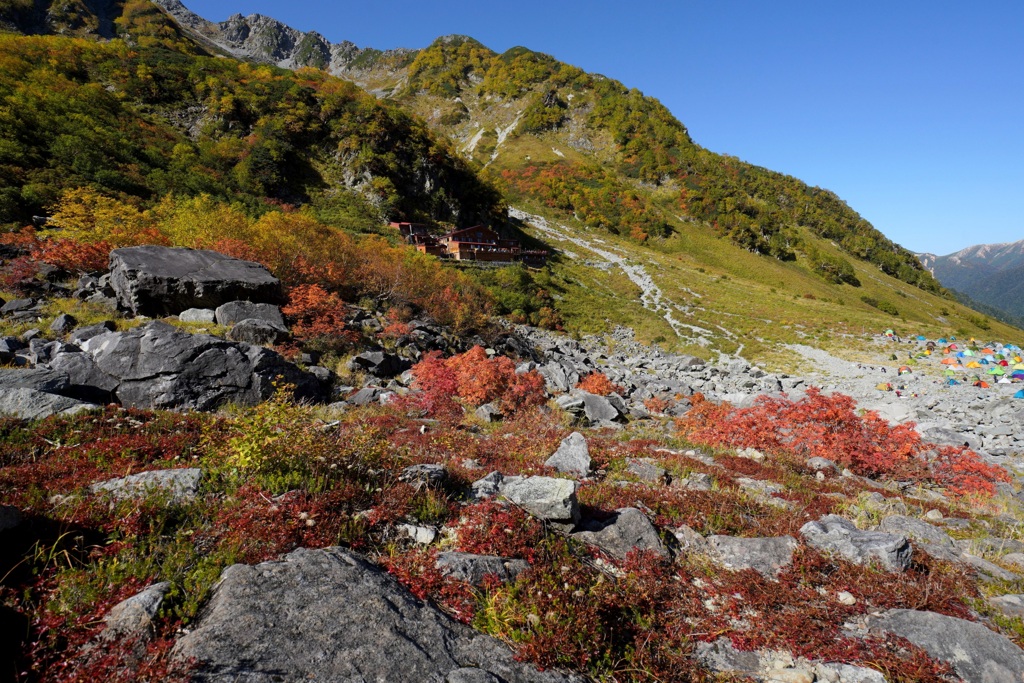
314, 313
476, 379
598, 383
828, 426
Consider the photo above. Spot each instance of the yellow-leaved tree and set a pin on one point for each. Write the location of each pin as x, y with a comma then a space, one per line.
84, 215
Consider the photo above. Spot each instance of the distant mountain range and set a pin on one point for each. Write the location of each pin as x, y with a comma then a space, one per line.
988, 274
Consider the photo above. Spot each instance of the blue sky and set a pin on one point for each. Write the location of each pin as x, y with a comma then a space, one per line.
911, 111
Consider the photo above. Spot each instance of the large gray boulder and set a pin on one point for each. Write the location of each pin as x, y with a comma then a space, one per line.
976, 654
330, 615
628, 529
158, 366
839, 535
552, 500
158, 281
572, 456
86, 381
766, 556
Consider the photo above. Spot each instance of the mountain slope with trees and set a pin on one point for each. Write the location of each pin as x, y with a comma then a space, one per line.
605, 153
743, 258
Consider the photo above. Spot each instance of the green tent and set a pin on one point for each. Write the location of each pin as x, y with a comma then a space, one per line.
997, 370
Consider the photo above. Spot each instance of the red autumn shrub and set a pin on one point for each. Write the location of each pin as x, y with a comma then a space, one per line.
598, 383
477, 380
18, 273
656, 406
829, 427
74, 256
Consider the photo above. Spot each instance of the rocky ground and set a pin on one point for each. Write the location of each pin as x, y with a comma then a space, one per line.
282, 541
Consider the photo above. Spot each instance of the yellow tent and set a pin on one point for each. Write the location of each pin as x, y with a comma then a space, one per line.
974, 364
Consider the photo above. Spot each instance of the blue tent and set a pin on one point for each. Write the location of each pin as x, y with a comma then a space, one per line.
943, 340
921, 337
1019, 394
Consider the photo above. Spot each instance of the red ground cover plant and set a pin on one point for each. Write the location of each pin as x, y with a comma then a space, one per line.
476, 379
598, 383
417, 571
829, 426
60, 455
495, 528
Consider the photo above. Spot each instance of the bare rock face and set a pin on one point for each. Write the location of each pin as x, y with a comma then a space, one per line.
767, 556
157, 281
838, 535
976, 654
329, 615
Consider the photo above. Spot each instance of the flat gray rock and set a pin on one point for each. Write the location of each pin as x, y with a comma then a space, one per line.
766, 556
976, 654
915, 529
838, 535
646, 469
181, 484
330, 615
30, 404
572, 456
236, 311
198, 315
157, 281
427, 474
473, 568
628, 529
1010, 605
552, 500
258, 332
134, 616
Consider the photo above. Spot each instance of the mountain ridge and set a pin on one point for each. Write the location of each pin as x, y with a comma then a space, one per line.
991, 274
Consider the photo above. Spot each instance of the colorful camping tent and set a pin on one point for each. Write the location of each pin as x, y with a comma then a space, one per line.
1019, 394
904, 370
974, 364
982, 384
950, 361
996, 371
921, 337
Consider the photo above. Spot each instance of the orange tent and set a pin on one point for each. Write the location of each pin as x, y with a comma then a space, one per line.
982, 384
950, 361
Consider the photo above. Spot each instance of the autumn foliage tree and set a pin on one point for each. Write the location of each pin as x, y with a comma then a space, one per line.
829, 426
